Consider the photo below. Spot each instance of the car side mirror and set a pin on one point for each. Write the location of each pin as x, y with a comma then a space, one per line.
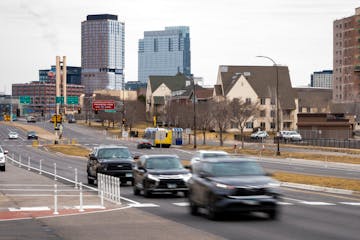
142, 169
92, 156
203, 174
136, 157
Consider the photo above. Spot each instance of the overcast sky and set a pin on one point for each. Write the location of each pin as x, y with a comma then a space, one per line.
296, 33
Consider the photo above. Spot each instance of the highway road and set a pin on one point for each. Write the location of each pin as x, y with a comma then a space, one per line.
305, 214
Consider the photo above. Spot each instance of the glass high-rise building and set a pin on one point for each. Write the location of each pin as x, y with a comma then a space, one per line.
164, 53
102, 52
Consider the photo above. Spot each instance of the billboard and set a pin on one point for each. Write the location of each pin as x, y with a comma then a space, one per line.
103, 105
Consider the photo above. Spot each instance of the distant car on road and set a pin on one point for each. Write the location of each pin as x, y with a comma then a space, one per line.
259, 135
290, 136
234, 185
2, 159
30, 119
32, 135
160, 174
143, 143
13, 135
203, 154
72, 120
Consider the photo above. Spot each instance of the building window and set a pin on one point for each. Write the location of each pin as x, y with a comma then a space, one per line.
156, 45
170, 45
272, 125
249, 125
262, 125
262, 101
248, 100
262, 113
272, 101
272, 113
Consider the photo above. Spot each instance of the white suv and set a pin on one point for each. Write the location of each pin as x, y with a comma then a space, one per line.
2, 159
291, 136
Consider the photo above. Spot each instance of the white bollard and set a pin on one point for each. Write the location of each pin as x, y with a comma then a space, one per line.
29, 163
76, 178
55, 200
55, 178
118, 191
40, 167
81, 208
102, 198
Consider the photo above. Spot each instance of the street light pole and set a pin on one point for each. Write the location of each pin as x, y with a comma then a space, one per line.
277, 105
194, 95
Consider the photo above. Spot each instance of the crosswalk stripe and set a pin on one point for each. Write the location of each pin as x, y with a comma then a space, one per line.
351, 203
144, 205
29, 209
182, 204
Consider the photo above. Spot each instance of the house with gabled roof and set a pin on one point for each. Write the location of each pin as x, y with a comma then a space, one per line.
161, 88
259, 84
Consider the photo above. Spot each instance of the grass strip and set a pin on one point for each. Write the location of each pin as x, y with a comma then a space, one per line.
73, 150
322, 181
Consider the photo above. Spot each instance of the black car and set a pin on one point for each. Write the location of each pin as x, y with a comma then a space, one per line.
72, 120
160, 174
143, 143
32, 135
232, 184
111, 160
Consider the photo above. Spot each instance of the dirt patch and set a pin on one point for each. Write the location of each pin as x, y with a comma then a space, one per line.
73, 150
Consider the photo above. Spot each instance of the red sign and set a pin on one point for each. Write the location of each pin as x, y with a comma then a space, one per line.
103, 105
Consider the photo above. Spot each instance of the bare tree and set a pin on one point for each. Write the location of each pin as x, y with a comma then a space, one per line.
134, 113
241, 113
220, 112
203, 118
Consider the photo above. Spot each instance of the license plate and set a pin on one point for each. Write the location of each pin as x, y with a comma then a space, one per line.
128, 175
171, 185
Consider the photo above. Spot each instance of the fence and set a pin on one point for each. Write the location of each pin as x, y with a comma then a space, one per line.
108, 186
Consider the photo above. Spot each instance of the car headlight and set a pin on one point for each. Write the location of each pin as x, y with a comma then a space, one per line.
224, 186
153, 177
186, 177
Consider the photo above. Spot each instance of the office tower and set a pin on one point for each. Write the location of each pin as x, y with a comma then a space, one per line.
322, 79
164, 53
346, 60
102, 52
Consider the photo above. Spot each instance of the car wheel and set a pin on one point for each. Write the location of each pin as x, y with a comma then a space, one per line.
147, 193
211, 211
136, 191
273, 214
2, 168
90, 180
186, 194
194, 209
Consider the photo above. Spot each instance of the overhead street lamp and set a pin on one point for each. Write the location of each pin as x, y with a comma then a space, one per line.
277, 105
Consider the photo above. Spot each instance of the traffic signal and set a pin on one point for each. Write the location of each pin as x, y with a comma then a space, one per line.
96, 111
123, 121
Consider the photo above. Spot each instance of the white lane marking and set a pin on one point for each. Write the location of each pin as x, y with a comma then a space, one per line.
351, 203
29, 209
317, 203
139, 205
182, 204
285, 203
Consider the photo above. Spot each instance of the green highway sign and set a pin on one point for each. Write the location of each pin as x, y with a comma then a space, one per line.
25, 99
72, 100
110, 110
60, 99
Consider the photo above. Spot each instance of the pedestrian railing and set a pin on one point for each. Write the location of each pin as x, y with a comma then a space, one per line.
109, 188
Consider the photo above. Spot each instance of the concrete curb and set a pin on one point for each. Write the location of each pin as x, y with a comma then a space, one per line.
318, 188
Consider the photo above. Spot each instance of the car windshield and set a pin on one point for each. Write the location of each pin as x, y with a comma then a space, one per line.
210, 155
31, 133
228, 169
110, 153
164, 163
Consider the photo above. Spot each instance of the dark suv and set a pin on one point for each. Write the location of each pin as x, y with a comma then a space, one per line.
232, 184
160, 173
110, 160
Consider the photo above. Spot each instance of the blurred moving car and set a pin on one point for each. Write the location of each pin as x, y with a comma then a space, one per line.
72, 120
232, 184
30, 119
111, 160
203, 154
291, 136
2, 159
143, 143
259, 135
13, 135
160, 174
32, 135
